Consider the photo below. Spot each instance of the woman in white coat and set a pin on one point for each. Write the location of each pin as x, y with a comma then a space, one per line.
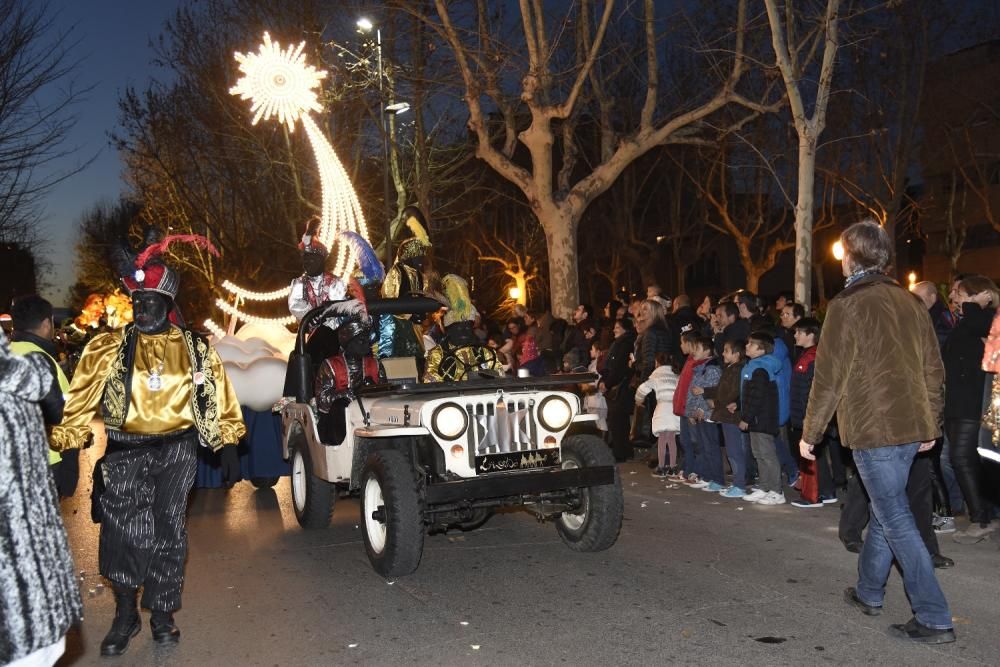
662, 382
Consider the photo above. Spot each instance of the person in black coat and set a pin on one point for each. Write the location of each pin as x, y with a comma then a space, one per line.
615, 385
734, 327
683, 319
944, 321
965, 382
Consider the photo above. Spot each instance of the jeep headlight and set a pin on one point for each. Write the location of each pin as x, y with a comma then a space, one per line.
554, 413
449, 421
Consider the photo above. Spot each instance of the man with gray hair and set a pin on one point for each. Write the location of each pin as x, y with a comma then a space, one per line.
941, 316
874, 330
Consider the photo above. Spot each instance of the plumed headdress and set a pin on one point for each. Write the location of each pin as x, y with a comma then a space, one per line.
146, 271
354, 313
460, 308
372, 271
420, 242
310, 238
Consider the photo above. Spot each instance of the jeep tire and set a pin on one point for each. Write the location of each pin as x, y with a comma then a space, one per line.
312, 497
391, 513
595, 527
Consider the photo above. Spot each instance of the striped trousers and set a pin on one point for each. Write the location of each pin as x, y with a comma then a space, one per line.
143, 531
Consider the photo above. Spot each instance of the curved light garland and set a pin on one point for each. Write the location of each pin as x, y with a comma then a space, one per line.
280, 85
249, 295
253, 319
216, 330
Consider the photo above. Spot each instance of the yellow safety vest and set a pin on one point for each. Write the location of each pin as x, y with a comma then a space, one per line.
22, 348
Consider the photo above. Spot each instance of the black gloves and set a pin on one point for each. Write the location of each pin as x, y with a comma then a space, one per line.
230, 463
67, 472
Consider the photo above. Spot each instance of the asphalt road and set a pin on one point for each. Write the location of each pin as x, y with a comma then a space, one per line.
693, 579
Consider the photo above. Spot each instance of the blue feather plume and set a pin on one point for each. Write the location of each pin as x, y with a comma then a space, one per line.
371, 267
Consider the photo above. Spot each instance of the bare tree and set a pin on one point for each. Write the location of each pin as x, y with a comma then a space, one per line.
37, 96
794, 52
559, 191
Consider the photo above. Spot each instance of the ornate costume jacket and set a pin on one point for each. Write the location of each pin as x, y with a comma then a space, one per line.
116, 375
307, 292
397, 335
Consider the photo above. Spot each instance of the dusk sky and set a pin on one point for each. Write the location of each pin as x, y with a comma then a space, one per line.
113, 52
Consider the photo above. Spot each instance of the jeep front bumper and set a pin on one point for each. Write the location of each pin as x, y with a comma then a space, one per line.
518, 483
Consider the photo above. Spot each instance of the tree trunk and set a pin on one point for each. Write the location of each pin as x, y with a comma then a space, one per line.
804, 220
564, 281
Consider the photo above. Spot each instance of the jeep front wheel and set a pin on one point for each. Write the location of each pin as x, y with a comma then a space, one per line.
391, 514
312, 497
595, 525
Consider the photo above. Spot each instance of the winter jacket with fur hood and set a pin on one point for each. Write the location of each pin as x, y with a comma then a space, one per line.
39, 597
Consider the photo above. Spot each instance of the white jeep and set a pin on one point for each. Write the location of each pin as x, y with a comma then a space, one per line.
428, 456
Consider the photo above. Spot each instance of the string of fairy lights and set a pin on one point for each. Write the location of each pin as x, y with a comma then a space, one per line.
280, 84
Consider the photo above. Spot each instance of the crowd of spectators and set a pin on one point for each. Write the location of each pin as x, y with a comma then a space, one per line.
713, 394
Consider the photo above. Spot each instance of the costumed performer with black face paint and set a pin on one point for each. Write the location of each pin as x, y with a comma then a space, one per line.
460, 355
315, 286
397, 333
162, 391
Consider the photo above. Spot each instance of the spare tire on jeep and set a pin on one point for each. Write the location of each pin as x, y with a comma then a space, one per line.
595, 526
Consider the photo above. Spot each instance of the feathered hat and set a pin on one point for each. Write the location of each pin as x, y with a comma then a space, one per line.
372, 271
460, 308
146, 271
418, 244
353, 313
310, 238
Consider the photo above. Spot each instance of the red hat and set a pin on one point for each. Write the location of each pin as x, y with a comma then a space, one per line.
150, 273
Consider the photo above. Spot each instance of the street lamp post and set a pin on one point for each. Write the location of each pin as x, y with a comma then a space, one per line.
365, 25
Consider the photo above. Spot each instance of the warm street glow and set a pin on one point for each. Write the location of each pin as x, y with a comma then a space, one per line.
278, 82
515, 293
838, 250
912, 278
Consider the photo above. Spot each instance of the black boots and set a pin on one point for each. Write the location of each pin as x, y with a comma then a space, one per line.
126, 624
163, 627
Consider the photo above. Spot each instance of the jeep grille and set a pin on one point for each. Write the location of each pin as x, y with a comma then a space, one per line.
500, 426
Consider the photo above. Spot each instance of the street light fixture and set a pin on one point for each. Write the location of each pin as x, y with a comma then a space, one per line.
365, 26
838, 250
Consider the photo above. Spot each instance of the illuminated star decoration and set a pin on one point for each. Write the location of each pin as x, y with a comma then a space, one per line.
280, 84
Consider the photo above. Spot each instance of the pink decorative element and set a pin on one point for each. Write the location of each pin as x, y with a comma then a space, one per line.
159, 248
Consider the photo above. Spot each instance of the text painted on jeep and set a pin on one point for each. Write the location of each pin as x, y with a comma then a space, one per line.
539, 458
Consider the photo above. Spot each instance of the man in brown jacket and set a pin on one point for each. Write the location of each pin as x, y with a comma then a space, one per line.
879, 368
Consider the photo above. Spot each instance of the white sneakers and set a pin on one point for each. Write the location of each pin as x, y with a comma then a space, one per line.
772, 498
762, 497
